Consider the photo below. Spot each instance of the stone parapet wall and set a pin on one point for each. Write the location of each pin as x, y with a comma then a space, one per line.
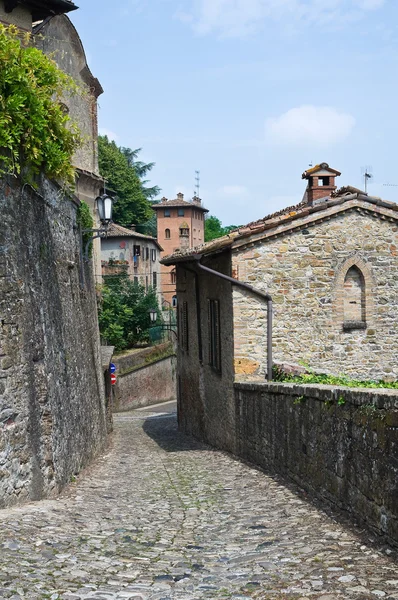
146, 385
340, 444
52, 413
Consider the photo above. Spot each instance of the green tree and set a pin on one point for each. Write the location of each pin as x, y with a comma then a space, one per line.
124, 311
214, 228
123, 174
35, 133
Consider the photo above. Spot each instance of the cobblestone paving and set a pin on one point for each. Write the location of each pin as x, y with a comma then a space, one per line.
162, 517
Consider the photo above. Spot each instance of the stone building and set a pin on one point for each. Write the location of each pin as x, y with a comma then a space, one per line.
181, 225
137, 254
57, 36
23, 13
330, 265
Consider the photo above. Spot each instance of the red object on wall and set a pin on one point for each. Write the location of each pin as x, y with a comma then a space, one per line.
113, 379
122, 244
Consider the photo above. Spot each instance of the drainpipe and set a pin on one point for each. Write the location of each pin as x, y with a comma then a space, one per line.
255, 292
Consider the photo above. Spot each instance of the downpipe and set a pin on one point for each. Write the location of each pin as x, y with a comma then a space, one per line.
257, 293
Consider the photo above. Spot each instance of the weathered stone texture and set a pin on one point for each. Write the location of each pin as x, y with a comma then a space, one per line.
147, 385
59, 39
205, 397
305, 274
341, 444
52, 414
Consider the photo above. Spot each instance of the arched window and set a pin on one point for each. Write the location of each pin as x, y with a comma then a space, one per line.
167, 234
354, 299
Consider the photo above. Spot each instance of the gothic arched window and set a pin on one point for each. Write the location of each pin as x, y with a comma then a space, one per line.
167, 234
354, 299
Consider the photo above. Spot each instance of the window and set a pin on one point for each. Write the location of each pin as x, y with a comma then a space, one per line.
137, 250
184, 232
136, 280
183, 327
213, 319
354, 300
167, 234
154, 280
173, 277
180, 212
153, 254
147, 253
167, 212
174, 301
146, 282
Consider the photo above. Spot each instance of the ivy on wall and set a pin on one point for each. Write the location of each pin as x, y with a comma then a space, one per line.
36, 134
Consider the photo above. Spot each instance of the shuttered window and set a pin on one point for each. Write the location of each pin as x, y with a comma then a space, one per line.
213, 318
183, 327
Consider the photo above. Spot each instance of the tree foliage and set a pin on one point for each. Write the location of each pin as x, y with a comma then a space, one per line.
214, 228
124, 174
35, 133
124, 311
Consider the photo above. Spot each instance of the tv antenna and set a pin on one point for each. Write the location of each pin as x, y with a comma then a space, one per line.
197, 184
367, 176
390, 184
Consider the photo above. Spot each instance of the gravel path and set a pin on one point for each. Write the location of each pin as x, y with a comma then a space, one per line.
162, 517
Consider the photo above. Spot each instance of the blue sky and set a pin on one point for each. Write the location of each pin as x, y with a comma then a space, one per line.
249, 92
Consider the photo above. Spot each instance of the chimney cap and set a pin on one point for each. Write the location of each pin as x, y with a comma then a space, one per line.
180, 196
320, 167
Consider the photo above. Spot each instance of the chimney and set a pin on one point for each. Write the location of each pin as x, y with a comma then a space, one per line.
132, 227
196, 200
321, 182
180, 196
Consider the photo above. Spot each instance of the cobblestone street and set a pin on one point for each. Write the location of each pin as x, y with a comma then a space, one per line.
161, 516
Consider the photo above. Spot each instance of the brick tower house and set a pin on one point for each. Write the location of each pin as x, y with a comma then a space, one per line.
181, 225
321, 182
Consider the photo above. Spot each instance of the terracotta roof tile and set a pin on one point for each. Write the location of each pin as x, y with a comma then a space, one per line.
275, 219
116, 230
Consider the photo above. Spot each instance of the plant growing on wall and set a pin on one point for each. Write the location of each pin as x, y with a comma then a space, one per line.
36, 134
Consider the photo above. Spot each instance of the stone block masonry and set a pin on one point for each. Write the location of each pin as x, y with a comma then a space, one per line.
52, 412
335, 302
145, 377
340, 444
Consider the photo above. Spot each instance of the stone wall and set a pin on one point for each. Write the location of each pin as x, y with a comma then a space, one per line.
145, 385
52, 413
305, 273
340, 444
20, 16
205, 396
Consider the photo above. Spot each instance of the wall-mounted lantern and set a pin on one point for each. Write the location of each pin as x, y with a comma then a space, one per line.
153, 315
105, 206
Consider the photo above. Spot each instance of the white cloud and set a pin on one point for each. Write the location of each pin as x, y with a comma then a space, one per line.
111, 135
314, 126
238, 18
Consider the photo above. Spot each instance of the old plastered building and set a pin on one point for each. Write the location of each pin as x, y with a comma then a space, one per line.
126, 250
181, 225
57, 37
330, 265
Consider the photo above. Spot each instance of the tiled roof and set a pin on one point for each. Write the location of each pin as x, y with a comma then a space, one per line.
283, 217
320, 167
45, 8
116, 230
164, 203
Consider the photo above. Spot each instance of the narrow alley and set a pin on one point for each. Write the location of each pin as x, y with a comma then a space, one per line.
163, 517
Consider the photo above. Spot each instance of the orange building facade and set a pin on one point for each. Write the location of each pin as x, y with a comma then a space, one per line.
181, 225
